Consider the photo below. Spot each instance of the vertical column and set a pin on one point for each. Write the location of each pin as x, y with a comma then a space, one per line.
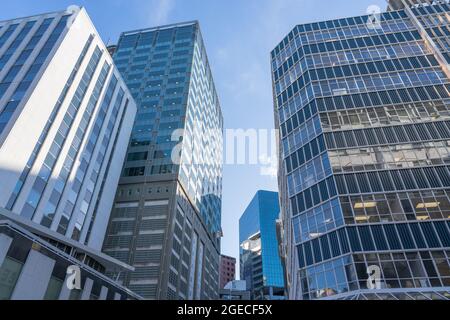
65, 291
192, 266
199, 279
33, 281
5, 243
87, 289
103, 293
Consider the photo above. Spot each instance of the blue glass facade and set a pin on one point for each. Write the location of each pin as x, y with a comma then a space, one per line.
259, 256
173, 208
363, 112
165, 71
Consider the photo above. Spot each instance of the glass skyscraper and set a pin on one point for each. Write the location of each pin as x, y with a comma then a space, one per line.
260, 263
363, 108
166, 220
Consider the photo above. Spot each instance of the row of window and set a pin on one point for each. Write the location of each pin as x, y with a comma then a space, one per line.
418, 132
326, 28
372, 208
100, 159
308, 174
388, 115
25, 83
15, 44
20, 183
69, 161
394, 135
153, 38
134, 62
360, 69
393, 180
346, 44
398, 270
430, 8
404, 206
384, 27
50, 161
8, 32
330, 24
390, 157
308, 152
386, 237
331, 59
374, 82
371, 182
343, 102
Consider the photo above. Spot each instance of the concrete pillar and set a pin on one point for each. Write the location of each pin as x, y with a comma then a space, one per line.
65, 291
87, 289
5, 243
34, 278
103, 293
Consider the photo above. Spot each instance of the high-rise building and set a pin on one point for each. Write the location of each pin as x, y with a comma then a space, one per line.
166, 220
227, 270
363, 105
260, 263
65, 122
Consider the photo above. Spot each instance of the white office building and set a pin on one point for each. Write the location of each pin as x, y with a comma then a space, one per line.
65, 122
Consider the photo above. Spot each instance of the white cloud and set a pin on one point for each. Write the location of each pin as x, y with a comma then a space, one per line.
159, 11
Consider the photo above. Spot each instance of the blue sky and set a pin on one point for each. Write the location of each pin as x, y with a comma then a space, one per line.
239, 35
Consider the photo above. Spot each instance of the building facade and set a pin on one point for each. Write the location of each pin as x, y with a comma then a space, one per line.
235, 290
227, 270
362, 105
65, 122
64, 103
37, 263
260, 263
166, 220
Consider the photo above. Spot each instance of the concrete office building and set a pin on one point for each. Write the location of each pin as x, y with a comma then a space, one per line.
166, 220
65, 121
260, 263
362, 105
227, 271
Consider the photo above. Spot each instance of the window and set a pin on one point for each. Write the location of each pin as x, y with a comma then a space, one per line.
137, 171
9, 273
392, 237
334, 244
53, 289
405, 236
366, 238
136, 156
430, 235
378, 235
418, 235
325, 248
353, 239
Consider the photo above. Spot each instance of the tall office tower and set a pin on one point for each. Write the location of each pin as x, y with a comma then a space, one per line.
260, 263
65, 121
166, 220
363, 106
227, 270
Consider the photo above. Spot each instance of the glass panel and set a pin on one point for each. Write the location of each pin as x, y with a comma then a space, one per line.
53, 289
9, 273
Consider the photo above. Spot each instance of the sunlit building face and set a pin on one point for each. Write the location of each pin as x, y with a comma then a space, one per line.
364, 118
